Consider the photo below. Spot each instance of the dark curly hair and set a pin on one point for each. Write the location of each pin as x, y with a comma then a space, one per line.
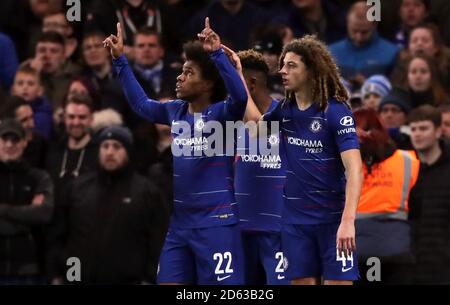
194, 51
323, 71
253, 60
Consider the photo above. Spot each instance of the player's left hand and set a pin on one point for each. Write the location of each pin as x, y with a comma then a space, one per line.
115, 42
209, 38
345, 237
234, 58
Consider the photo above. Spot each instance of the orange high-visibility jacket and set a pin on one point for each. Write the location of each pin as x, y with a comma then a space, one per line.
385, 191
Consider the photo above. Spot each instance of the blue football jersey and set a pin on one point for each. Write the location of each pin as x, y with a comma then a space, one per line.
259, 182
314, 192
203, 184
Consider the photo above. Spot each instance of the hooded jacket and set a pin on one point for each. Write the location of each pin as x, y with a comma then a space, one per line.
430, 213
115, 223
19, 219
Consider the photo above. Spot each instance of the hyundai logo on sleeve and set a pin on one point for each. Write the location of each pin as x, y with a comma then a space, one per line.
346, 121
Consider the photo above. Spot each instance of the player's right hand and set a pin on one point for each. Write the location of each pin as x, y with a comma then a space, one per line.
345, 237
209, 38
115, 43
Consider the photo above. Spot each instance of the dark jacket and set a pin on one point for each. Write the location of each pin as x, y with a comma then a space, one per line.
430, 212
56, 85
421, 98
401, 139
43, 117
104, 15
36, 151
114, 223
168, 82
110, 94
19, 219
61, 174
162, 174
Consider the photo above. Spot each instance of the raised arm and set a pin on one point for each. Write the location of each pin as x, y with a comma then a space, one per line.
235, 85
151, 110
252, 112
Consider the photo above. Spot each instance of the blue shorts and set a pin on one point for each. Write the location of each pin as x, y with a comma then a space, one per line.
263, 258
206, 256
310, 251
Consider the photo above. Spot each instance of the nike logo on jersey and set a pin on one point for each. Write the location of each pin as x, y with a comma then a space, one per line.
346, 269
219, 279
280, 277
286, 120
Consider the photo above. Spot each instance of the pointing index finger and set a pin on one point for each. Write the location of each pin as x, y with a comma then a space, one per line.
119, 31
207, 23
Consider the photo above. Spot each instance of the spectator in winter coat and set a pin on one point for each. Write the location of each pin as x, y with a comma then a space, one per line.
26, 202
113, 220
430, 198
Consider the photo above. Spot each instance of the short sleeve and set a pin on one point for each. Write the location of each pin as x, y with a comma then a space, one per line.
342, 125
